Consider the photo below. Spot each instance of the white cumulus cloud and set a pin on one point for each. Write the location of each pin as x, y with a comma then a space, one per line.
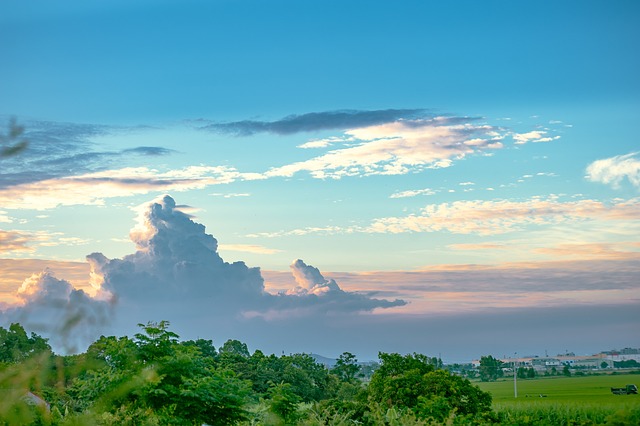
175, 274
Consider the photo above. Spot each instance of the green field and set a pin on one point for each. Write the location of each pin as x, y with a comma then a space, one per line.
567, 400
577, 389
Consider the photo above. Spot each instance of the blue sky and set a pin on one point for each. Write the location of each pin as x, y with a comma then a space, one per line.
440, 154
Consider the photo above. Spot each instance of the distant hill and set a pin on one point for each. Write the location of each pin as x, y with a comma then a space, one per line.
327, 362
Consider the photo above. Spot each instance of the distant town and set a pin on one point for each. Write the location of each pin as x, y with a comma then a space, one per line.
623, 358
529, 366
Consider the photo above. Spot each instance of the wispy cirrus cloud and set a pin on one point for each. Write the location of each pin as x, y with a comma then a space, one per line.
501, 216
614, 170
249, 248
617, 250
314, 121
477, 246
414, 193
489, 217
65, 149
94, 188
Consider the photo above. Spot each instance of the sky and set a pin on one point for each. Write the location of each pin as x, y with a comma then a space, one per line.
451, 178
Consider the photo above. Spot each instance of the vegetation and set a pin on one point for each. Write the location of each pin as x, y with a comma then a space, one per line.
156, 379
490, 368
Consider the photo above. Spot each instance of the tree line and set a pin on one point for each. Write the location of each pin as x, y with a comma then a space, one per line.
153, 378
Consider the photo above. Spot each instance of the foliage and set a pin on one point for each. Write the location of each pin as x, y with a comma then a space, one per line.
346, 367
154, 379
490, 368
412, 382
156, 374
235, 347
628, 363
283, 402
398, 381
16, 345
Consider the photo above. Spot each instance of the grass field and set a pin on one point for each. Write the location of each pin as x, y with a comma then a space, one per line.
578, 400
577, 389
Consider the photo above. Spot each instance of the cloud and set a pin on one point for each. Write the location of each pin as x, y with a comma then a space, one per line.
501, 216
323, 143
230, 195
94, 188
618, 250
492, 217
310, 280
20, 241
413, 193
52, 307
533, 136
249, 248
13, 241
330, 120
149, 151
480, 246
175, 274
612, 171
57, 150
14, 272
398, 147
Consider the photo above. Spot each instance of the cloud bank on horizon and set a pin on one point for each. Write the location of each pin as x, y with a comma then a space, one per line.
175, 274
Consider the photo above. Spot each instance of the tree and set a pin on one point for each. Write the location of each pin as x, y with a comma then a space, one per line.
205, 346
16, 345
412, 382
283, 402
160, 379
397, 380
346, 367
460, 395
490, 368
156, 341
235, 347
566, 371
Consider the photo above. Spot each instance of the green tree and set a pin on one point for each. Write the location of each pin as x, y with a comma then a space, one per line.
346, 367
398, 379
412, 382
17, 346
235, 347
490, 368
459, 394
205, 346
531, 373
158, 379
566, 371
283, 402
156, 341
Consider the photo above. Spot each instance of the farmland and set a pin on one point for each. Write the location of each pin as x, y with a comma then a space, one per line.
578, 399
585, 390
